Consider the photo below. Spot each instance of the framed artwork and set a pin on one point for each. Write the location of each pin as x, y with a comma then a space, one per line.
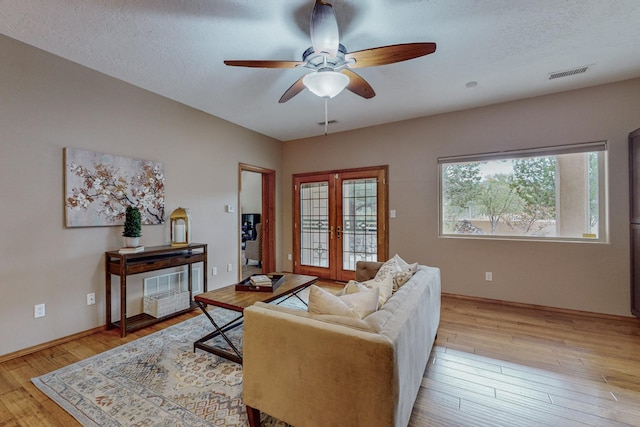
99, 187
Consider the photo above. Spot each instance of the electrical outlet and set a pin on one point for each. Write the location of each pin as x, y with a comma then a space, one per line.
214, 271
488, 276
38, 310
91, 298
229, 267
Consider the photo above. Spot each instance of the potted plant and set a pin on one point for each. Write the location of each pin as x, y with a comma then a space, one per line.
132, 227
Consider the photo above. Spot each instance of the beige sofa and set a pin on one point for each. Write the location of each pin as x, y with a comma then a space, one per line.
323, 370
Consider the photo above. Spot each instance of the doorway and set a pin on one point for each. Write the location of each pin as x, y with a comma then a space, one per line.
256, 201
340, 218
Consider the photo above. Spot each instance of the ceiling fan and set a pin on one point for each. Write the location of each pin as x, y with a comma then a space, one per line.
330, 62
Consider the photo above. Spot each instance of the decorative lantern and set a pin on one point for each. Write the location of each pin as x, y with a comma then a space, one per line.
180, 220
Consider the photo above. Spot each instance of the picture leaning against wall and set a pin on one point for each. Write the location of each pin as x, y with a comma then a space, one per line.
99, 187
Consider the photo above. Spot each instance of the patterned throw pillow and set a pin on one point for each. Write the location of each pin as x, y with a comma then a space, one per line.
358, 304
399, 270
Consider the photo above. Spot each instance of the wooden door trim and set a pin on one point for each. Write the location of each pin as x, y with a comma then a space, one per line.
383, 211
268, 218
342, 171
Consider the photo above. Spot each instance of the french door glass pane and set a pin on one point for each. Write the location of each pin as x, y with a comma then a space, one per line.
314, 219
359, 221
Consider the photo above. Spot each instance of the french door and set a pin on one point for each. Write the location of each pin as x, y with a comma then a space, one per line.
340, 217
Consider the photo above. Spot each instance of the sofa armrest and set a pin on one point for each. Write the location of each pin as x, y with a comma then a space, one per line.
366, 270
304, 371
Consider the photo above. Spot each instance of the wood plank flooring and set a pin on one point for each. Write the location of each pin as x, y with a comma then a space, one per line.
492, 365
501, 365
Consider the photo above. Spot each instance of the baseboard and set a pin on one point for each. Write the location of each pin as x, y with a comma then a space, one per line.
543, 308
46, 345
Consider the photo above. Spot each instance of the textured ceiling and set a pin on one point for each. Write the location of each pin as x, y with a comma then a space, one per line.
176, 49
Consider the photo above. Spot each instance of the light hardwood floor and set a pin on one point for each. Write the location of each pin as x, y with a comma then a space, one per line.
502, 365
492, 365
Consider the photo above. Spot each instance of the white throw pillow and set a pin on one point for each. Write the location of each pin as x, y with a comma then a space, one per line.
403, 265
363, 303
383, 284
358, 304
353, 287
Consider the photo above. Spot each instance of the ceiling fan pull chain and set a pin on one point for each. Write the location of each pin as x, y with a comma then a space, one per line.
326, 116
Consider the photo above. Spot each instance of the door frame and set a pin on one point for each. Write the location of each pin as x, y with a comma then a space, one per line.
268, 217
383, 211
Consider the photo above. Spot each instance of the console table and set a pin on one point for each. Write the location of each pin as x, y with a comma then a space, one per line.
151, 259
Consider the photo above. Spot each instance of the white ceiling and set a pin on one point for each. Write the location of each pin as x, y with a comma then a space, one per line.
176, 49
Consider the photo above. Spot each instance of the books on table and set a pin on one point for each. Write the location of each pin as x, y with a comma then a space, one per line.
260, 280
257, 283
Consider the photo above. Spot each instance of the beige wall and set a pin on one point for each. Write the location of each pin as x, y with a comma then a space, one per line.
590, 277
47, 103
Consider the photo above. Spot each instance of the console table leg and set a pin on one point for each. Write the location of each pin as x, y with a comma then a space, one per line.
123, 305
107, 285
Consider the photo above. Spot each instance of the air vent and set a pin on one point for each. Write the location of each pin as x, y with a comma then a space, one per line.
567, 73
330, 122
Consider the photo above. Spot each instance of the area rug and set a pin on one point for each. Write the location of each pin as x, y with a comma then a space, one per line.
156, 380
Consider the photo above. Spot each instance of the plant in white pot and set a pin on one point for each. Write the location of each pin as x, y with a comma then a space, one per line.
132, 227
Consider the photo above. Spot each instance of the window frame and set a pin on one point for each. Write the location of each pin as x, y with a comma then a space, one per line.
586, 147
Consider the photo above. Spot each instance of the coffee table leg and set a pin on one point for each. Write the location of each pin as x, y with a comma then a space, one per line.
236, 356
295, 294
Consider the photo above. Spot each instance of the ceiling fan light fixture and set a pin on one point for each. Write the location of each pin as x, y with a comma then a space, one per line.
325, 84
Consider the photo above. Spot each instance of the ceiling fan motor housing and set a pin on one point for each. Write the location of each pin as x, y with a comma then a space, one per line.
315, 61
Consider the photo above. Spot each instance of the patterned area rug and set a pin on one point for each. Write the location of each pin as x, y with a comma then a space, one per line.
156, 380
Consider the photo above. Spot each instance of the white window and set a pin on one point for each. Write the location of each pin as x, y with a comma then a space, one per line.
551, 193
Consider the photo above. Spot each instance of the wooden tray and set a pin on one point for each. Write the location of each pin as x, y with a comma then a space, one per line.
276, 281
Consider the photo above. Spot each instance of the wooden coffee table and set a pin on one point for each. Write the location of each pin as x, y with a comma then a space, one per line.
227, 297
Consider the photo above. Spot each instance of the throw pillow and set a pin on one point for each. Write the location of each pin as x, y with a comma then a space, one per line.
399, 270
383, 284
363, 303
404, 265
351, 287
359, 304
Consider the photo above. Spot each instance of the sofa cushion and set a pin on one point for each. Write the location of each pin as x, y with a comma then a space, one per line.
358, 304
367, 270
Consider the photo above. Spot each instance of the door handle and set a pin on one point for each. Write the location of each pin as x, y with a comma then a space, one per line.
331, 232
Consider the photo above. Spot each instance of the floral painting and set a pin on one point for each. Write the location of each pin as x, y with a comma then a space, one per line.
99, 187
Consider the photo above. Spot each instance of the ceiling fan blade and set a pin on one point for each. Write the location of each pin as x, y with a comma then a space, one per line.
358, 85
389, 54
324, 29
295, 89
264, 64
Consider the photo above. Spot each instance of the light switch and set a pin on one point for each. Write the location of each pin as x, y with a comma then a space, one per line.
392, 213
231, 208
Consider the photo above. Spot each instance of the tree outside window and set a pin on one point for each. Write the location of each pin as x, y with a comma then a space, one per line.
557, 195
